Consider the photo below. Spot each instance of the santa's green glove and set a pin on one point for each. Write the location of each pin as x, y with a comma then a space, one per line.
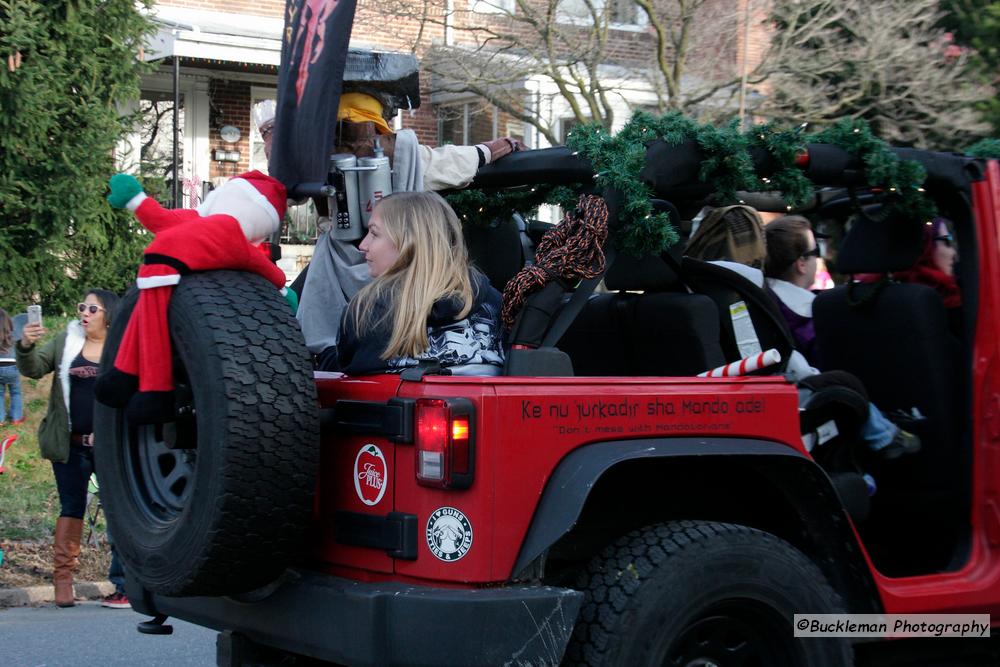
292, 298
123, 188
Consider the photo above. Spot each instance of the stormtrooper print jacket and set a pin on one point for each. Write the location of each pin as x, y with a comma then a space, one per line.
472, 345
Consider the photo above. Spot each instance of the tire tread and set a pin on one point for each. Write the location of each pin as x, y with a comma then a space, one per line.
269, 444
612, 578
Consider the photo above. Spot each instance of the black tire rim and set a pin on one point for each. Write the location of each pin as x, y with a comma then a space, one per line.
161, 463
735, 634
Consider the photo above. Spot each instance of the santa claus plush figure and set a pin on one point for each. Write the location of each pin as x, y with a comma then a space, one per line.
225, 232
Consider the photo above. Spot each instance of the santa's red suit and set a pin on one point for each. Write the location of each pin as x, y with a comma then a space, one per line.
221, 234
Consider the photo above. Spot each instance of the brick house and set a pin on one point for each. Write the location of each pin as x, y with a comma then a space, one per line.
227, 54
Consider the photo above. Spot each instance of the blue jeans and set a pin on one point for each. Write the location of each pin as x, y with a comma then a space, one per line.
72, 478
877, 431
11, 379
116, 572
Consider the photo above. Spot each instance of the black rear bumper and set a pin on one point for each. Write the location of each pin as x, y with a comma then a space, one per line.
353, 623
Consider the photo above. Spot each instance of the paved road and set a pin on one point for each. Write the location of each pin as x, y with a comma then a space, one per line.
88, 634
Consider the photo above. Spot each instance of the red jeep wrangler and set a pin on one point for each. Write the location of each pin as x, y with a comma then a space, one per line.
627, 513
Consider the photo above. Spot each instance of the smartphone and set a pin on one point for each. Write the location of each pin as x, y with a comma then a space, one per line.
34, 314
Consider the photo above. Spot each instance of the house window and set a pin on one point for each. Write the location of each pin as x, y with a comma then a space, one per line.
451, 124
150, 150
567, 124
466, 123
300, 225
492, 6
620, 12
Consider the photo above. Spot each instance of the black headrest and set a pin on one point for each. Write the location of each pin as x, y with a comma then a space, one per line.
672, 171
648, 274
495, 250
651, 273
876, 245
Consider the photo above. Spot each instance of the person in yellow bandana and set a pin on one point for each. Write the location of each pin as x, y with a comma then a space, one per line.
338, 270
360, 119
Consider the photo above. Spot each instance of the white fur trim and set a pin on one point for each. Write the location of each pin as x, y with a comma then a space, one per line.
75, 338
259, 199
157, 281
134, 202
283, 291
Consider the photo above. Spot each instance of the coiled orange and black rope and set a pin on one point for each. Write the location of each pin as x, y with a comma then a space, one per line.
572, 251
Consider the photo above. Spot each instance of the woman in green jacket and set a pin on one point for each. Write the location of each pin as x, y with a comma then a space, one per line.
65, 436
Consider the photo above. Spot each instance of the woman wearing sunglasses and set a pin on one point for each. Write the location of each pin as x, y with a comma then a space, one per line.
936, 265
66, 434
790, 267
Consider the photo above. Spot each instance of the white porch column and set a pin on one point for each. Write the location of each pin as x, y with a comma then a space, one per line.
196, 141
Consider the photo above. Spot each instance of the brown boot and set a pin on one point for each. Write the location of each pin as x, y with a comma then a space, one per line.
66, 553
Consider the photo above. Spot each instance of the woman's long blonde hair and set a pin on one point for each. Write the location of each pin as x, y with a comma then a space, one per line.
433, 263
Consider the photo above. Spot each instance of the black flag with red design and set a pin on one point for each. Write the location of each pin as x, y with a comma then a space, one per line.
313, 53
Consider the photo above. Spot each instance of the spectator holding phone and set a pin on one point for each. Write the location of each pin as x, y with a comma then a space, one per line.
10, 379
66, 436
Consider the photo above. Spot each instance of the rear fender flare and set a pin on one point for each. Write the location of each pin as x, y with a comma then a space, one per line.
799, 481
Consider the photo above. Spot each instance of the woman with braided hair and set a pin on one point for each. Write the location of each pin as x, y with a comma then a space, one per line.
425, 300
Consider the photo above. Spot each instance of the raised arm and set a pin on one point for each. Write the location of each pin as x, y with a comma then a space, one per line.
126, 192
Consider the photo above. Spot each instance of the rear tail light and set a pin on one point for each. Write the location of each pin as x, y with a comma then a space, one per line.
445, 442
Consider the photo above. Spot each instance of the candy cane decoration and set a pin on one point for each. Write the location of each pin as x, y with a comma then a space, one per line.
745, 366
193, 187
4, 446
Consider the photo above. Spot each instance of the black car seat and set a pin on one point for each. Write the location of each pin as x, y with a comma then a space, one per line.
832, 405
749, 318
646, 325
495, 249
896, 338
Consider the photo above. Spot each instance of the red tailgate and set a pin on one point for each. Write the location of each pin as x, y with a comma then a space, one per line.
356, 473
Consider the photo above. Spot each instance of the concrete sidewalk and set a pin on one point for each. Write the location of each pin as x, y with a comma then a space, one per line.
35, 595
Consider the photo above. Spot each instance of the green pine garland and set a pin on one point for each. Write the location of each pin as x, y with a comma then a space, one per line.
985, 148
726, 161
619, 159
784, 146
883, 169
482, 207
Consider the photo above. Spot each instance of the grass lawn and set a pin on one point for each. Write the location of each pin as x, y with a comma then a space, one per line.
29, 503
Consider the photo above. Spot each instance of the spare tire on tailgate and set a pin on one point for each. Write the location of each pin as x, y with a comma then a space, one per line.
216, 502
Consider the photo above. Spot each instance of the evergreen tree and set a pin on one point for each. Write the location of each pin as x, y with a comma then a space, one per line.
64, 66
975, 24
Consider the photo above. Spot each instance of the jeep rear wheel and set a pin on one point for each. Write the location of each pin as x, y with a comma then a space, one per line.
217, 501
698, 593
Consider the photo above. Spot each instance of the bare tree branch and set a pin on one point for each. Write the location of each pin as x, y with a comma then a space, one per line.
818, 60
